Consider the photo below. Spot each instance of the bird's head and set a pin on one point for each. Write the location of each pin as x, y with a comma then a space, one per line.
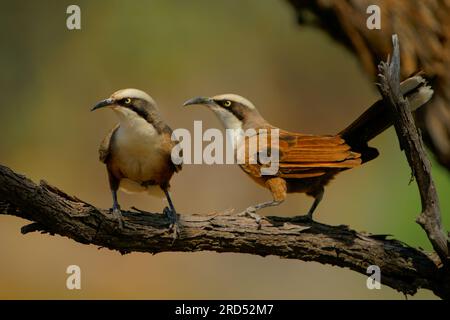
233, 111
130, 104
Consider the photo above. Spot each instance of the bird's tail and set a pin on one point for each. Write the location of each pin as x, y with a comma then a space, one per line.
378, 117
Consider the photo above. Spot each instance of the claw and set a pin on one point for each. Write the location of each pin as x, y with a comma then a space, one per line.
251, 213
174, 225
118, 215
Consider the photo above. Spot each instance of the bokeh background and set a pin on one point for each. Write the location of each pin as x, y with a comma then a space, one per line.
298, 78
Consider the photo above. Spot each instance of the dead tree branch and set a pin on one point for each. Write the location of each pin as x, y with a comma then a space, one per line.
411, 143
52, 211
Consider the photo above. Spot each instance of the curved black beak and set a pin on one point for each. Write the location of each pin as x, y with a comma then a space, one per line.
103, 103
198, 100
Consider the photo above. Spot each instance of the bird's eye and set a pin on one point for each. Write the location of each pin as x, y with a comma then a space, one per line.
227, 103
127, 101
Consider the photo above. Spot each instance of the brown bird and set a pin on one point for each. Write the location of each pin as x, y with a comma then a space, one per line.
306, 162
137, 151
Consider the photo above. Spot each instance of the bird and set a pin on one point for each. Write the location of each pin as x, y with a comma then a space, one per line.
307, 163
137, 151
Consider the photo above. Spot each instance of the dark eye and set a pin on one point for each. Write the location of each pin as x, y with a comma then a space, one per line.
127, 101
227, 103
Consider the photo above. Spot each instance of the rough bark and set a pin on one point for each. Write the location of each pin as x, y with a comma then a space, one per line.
411, 143
52, 211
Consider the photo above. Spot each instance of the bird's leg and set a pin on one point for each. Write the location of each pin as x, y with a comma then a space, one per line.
316, 202
318, 196
116, 209
172, 215
278, 188
251, 211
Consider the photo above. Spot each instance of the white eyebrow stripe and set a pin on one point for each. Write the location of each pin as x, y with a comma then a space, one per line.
236, 98
132, 93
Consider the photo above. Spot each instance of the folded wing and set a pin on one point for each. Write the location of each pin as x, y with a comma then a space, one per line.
300, 155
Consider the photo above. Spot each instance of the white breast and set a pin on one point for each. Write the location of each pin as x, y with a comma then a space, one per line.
138, 153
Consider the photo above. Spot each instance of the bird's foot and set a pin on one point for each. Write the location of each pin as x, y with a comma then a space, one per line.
174, 225
118, 215
251, 213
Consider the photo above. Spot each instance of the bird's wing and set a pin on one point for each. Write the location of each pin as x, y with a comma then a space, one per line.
301, 155
105, 147
173, 144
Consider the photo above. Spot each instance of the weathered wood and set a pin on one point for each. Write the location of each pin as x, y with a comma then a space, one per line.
52, 211
411, 143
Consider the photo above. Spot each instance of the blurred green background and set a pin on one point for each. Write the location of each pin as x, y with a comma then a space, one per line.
298, 78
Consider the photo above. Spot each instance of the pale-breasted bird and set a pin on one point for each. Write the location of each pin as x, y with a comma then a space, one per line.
308, 162
137, 151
